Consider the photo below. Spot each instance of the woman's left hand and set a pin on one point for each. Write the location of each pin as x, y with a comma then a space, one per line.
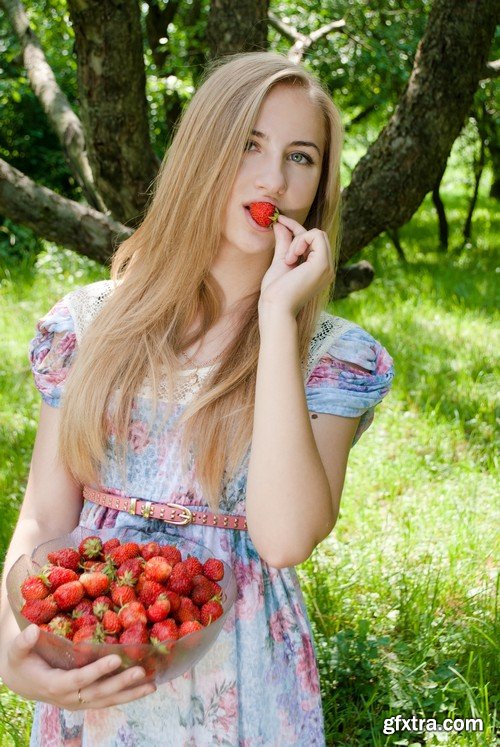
290, 285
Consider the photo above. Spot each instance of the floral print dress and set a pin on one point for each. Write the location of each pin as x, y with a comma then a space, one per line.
259, 683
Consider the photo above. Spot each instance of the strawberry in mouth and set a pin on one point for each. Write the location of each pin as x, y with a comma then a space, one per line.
264, 213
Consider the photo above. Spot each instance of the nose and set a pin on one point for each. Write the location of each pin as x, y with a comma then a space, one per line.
271, 177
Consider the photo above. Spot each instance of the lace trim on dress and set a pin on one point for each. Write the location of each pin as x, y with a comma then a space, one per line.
86, 302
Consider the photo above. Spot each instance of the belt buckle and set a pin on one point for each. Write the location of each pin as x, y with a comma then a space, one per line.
187, 517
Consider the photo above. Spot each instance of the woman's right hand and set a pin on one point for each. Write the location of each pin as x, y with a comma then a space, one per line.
28, 675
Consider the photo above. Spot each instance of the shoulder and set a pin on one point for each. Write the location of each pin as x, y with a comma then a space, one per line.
343, 345
350, 372
58, 333
85, 302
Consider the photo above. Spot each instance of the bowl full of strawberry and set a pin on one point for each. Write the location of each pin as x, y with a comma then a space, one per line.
154, 599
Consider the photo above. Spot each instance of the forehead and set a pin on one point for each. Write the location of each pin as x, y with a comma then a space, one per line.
287, 112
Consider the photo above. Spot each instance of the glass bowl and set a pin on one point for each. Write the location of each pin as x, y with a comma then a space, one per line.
177, 656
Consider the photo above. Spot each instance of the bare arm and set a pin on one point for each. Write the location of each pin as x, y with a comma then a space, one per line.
292, 503
51, 507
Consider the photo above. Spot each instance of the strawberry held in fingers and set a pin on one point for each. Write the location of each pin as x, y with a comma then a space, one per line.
264, 213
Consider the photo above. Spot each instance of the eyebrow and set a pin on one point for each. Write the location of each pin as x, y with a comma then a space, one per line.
257, 133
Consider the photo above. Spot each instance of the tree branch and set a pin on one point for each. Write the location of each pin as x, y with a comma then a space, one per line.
402, 166
301, 42
492, 70
56, 106
56, 218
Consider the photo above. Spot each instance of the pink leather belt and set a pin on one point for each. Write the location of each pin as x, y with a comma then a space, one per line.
171, 513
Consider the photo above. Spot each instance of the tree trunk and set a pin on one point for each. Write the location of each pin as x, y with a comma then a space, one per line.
112, 90
237, 27
402, 166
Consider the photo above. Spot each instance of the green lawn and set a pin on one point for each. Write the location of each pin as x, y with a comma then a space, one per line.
403, 596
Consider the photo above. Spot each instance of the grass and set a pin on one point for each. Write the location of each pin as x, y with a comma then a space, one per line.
403, 596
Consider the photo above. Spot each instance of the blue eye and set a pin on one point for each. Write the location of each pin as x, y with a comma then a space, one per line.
308, 160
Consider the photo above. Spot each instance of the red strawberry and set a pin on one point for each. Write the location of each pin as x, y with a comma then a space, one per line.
150, 550
190, 626
193, 566
134, 638
187, 611
85, 620
130, 570
203, 590
120, 554
90, 547
67, 557
34, 588
85, 607
110, 545
136, 633
159, 610
68, 595
264, 213
93, 565
179, 580
110, 638
63, 626
57, 576
213, 569
101, 605
121, 594
89, 634
164, 631
150, 591
95, 583
158, 569
171, 553
111, 623
40, 610
217, 590
174, 599
132, 613
210, 612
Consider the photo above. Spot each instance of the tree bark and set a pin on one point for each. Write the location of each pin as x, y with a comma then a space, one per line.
237, 27
402, 166
112, 89
56, 218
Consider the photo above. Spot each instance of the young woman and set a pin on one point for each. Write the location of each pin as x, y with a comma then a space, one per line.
207, 373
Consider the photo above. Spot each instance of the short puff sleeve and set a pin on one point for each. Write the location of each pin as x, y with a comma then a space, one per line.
351, 378
52, 351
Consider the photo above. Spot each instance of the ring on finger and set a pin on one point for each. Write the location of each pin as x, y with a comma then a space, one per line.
80, 699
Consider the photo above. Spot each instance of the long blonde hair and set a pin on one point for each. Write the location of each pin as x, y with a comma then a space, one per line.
164, 282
